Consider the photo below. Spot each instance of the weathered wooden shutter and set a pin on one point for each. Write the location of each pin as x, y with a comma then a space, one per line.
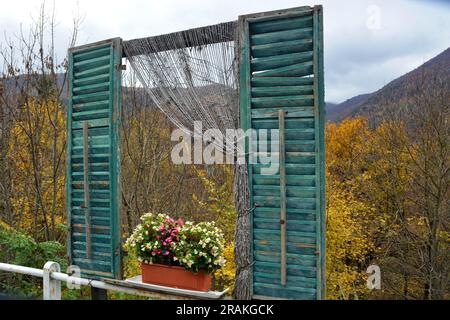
281, 87
93, 158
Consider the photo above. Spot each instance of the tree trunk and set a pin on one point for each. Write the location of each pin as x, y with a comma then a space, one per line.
242, 246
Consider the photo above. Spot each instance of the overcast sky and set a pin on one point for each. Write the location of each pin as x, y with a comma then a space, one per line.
367, 43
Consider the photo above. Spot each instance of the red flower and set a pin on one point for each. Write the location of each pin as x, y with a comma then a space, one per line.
169, 220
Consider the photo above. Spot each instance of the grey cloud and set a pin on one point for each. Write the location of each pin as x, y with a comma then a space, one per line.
357, 60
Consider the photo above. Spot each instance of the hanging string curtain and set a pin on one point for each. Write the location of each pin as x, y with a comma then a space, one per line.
191, 76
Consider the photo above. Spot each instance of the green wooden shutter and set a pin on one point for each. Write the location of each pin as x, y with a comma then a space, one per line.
281, 68
93, 121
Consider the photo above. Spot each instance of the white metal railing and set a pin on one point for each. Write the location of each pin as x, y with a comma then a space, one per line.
52, 277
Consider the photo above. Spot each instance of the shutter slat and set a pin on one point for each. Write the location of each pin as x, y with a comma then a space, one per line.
92, 53
294, 70
294, 112
284, 47
282, 91
280, 81
281, 24
278, 36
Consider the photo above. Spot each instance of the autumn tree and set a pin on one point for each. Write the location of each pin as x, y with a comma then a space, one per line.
350, 244
32, 171
417, 247
387, 198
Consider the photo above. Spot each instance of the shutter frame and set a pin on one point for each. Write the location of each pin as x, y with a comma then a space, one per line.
304, 144
94, 75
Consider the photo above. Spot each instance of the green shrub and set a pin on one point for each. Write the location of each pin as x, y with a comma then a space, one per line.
20, 249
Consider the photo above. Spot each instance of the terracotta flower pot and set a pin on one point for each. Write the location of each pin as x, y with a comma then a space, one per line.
176, 277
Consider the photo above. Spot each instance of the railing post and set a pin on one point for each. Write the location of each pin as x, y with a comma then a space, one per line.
51, 287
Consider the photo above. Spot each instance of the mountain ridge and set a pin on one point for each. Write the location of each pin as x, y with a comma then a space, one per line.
370, 104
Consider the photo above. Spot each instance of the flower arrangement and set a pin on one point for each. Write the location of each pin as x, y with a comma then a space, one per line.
159, 239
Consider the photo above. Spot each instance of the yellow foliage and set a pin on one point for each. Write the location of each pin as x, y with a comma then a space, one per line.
347, 148
131, 265
347, 246
226, 275
219, 200
349, 215
36, 155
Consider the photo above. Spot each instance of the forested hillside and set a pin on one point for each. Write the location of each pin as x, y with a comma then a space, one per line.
375, 106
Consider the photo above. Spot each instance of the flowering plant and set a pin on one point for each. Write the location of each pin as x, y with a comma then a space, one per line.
161, 239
